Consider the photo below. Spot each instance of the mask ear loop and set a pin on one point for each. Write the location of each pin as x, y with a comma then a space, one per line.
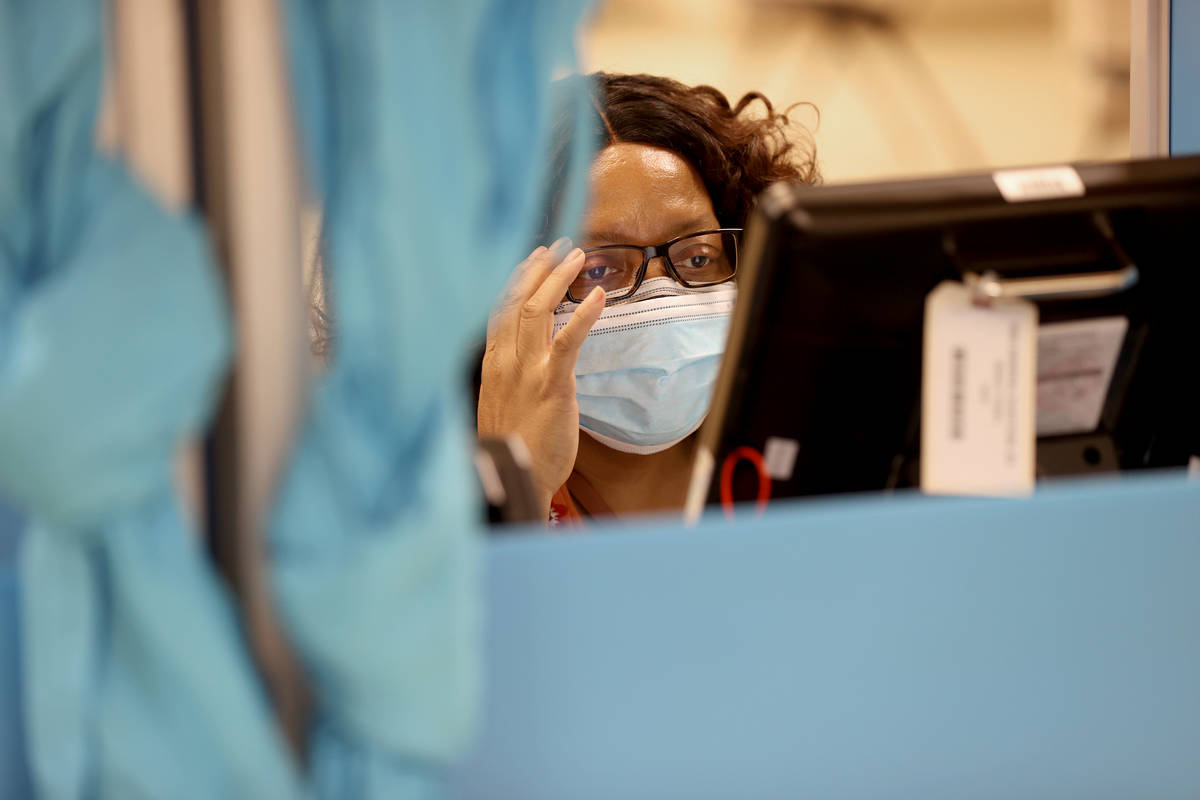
764, 480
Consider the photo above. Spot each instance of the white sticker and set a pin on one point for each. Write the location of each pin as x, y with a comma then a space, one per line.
977, 394
779, 456
1075, 365
1043, 183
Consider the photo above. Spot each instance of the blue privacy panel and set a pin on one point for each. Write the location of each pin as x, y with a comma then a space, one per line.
1185, 77
904, 648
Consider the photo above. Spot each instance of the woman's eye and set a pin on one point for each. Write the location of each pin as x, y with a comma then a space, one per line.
698, 259
595, 273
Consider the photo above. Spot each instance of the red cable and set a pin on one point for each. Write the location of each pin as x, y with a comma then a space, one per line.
764, 480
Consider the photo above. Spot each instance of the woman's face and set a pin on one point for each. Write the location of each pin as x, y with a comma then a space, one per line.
643, 195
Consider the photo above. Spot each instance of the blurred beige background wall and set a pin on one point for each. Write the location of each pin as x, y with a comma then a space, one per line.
904, 87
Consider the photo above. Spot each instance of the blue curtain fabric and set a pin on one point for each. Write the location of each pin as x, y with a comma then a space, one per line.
427, 130
14, 765
113, 339
426, 127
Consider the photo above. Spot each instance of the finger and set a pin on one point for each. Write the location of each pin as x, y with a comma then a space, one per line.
524, 281
535, 326
532, 272
504, 303
564, 351
548, 296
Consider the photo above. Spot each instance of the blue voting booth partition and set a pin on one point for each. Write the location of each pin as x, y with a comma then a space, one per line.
903, 647
910, 647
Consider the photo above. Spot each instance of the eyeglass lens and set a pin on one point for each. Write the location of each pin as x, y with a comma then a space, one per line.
699, 260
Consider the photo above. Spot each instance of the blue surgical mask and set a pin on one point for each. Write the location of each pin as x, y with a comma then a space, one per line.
646, 371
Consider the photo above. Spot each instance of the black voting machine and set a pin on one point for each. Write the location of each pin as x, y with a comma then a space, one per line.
825, 345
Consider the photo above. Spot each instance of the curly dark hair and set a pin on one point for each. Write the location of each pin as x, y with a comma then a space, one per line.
737, 151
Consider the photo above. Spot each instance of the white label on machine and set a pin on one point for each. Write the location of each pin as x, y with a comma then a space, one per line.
977, 394
1043, 183
1075, 365
779, 457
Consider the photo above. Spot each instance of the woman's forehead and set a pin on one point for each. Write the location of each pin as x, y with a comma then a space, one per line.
643, 195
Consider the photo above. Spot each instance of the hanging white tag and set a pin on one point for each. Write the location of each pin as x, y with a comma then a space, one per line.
978, 394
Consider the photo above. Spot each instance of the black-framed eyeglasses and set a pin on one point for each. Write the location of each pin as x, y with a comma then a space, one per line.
698, 259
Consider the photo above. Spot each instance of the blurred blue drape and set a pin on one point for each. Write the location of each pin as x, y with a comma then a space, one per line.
113, 339
426, 128
14, 765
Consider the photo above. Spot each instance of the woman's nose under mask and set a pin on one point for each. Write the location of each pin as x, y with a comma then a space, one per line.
646, 371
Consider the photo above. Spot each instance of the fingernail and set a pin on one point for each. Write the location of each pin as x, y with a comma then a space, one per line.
561, 246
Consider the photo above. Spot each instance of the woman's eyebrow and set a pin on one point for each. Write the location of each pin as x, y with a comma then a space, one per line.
598, 238
594, 238
695, 225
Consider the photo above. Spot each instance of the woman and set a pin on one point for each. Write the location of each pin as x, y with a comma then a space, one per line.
621, 336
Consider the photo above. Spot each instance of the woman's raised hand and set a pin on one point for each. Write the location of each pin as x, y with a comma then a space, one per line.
528, 381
